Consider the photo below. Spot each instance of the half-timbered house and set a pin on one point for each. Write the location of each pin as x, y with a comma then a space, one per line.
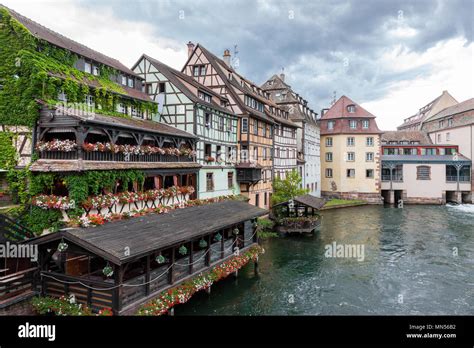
190, 106
256, 121
307, 136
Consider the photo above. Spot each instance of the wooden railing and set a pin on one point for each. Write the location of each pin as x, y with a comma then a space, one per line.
113, 157
52, 285
12, 230
16, 284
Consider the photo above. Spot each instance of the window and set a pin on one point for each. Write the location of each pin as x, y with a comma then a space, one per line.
255, 153
135, 111
350, 141
229, 125
124, 80
351, 108
428, 151
409, 151
351, 156
162, 87
95, 70
369, 156
423, 173
244, 153
450, 122
352, 124
245, 125
209, 182
121, 108
331, 124
350, 173
328, 173
221, 123
448, 137
265, 199
439, 138
365, 124
62, 96
264, 153
255, 127
441, 124
199, 70
369, 173
218, 153
328, 156
149, 88
230, 180
131, 82
88, 67
264, 129
89, 100
207, 150
328, 142
208, 119
369, 141
204, 96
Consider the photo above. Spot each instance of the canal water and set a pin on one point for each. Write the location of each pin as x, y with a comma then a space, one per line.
417, 260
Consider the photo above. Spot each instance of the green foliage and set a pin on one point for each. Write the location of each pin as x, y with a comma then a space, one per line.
32, 69
288, 188
18, 184
343, 202
8, 156
58, 306
39, 219
265, 229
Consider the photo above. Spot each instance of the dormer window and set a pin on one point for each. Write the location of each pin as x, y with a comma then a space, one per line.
365, 124
270, 82
351, 108
88, 67
204, 96
123, 79
89, 100
330, 124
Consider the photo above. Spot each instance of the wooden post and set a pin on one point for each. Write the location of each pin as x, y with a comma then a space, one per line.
256, 266
191, 257
208, 250
117, 292
222, 245
147, 275
170, 272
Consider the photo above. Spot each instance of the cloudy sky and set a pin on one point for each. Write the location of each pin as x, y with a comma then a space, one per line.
392, 56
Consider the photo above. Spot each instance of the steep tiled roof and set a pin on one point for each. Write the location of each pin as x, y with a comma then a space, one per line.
177, 77
402, 135
233, 83
452, 110
339, 110
59, 40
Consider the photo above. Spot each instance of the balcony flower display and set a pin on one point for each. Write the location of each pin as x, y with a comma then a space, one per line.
53, 202
57, 145
100, 201
187, 152
209, 159
92, 220
136, 149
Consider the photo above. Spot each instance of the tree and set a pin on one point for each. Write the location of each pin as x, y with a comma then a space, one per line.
288, 188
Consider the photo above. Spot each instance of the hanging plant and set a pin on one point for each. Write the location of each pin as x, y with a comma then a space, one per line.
108, 271
62, 246
202, 243
218, 237
183, 250
235, 231
160, 259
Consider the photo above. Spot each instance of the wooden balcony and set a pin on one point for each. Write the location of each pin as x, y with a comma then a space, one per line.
113, 157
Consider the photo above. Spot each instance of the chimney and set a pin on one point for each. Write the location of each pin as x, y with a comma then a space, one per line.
323, 111
190, 48
227, 57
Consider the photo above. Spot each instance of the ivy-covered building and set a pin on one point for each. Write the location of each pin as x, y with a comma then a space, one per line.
190, 106
89, 129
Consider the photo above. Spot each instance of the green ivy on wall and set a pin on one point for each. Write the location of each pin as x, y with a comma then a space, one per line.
82, 185
7, 151
32, 69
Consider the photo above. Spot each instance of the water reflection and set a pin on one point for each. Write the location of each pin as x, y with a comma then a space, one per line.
410, 267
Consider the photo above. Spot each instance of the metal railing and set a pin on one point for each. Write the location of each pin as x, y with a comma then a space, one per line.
395, 177
113, 157
454, 178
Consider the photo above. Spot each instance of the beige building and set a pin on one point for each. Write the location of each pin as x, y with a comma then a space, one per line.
454, 125
414, 122
350, 152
